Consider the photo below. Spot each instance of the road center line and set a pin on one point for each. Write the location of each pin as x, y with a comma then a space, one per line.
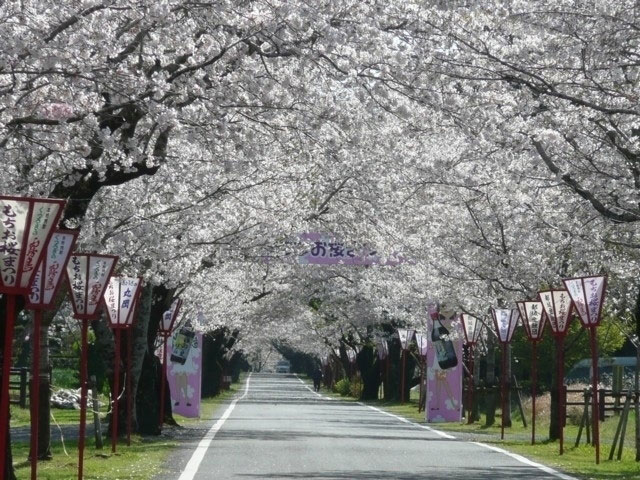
194, 462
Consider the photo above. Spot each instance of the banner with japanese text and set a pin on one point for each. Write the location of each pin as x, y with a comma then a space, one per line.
444, 371
184, 371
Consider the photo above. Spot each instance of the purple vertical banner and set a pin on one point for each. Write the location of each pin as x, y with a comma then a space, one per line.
444, 371
184, 371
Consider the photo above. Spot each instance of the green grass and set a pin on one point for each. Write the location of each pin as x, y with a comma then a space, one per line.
140, 461
20, 417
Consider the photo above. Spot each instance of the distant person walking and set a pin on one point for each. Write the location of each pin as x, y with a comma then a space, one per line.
317, 379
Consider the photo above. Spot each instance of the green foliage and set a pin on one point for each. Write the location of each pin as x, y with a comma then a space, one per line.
355, 388
66, 378
610, 339
343, 387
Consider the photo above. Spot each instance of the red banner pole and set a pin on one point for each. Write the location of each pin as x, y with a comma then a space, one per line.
560, 387
596, 413
83, 396
502, 388
129, 382
404, 361
163, 380
6, 372
470, 387
35, 391
116, 392
534, 380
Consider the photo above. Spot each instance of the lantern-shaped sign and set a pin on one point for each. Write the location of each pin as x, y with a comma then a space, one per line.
44, 288
405, 335
351, 354
533, 320
47, 279
472, 328
169, 318
421, 340
26, 225
557, 307
505, 321
88, 275
587, 294
383, 349
120, 298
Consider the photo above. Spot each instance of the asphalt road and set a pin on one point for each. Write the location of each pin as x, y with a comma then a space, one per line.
281, 429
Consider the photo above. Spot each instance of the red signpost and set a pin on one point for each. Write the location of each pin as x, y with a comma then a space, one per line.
533, 320
587, 294
405, 336
120, 299
472, 328
165, 328
557, 307
26, 226
88, 275
44, 288
505, 322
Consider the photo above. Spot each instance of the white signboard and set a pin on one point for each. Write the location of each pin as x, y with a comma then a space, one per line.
18, 260
406, 335
472, 327
119, 297
88, 277
533, 319
169, 317
587, 295
383, 349
50, 270
421, 340
506, 321
557, 306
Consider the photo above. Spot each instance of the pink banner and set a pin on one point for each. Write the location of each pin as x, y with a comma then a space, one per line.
444, 371
184, 371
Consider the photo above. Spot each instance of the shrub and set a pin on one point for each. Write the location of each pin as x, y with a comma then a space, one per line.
355, 389
343, 387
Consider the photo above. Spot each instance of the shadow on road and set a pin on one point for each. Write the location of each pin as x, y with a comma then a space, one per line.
453, 474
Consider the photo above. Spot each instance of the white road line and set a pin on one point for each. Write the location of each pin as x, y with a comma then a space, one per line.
404, 420
194, 462
515, 456
526, 461
312, 390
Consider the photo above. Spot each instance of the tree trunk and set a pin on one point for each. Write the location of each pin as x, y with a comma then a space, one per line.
637, 405
491, 384
369, 372
554, 425
476, 382
507, 399
44, 400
